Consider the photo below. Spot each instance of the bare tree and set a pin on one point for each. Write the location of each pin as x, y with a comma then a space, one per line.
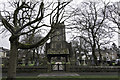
114, 13
92, 24
114, 17
25, 17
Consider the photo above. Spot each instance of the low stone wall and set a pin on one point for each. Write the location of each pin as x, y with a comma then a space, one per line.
29, 69
71, 68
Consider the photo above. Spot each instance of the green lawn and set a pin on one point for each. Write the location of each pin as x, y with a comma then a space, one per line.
69, 78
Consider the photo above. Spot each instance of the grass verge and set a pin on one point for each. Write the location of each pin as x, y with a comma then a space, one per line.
69, 78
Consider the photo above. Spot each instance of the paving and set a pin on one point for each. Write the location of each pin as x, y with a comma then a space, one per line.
35, 74
79, 74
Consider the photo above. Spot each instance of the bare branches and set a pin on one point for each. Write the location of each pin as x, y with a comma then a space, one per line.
34, 28
16, 13
7, 25
114, 13
57, 16
27, 17
94, 28
39, 43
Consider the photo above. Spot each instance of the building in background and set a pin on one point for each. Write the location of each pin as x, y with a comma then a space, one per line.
4, 53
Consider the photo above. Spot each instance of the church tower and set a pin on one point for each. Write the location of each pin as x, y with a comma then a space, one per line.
58, 50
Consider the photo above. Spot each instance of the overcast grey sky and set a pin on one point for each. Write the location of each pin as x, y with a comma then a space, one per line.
4, 38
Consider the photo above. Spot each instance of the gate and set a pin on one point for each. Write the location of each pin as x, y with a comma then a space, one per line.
58, 67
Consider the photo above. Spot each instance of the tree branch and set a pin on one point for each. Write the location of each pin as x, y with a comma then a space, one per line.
7, 25
39, 43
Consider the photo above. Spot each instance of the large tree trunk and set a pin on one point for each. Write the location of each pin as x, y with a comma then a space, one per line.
94, 49
12, 61
100, 55
94, 55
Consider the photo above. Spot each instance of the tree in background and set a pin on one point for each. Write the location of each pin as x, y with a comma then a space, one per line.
33, 54
93, 26
81, 48
113, 15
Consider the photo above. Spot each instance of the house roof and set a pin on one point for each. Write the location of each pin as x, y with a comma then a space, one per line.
4, 49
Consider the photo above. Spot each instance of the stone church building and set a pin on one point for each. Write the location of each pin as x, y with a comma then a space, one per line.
58, 50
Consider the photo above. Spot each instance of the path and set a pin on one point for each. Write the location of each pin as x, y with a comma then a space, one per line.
58, 74
34, 74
